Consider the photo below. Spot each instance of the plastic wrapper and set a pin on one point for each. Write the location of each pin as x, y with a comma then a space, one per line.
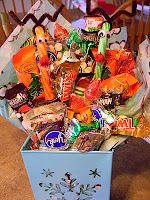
93, 90
140, 129
42, 129
93, 23
88, 141
82, 40
124, 81
41, 119
66, 77
134, 105
110, 100
76, 127
147, 109
81, 85
18, 98
55, 140
103, 116
60, 33
79, 109
25, 65
119, 62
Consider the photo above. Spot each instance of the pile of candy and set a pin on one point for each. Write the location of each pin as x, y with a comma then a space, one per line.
72, 89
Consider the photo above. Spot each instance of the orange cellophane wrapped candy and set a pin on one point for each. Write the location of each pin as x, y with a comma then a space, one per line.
25, 64
79, 109
120, 62
124, 81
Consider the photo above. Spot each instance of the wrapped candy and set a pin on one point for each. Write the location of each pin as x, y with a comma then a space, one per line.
103, 116
41, 119
42, 128
25, 65
126, 81
81, 85
66, 79
111, 99
79, 109
74, 37
133, 127
93, 90
55, 140
88, 141
18, 98
83, 40
93, 23
60, 33
116, 62
119, 62
76, 127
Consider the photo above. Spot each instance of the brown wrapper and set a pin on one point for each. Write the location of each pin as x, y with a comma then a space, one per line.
66, 77
88, 141
18, 98
42, 129
142, 130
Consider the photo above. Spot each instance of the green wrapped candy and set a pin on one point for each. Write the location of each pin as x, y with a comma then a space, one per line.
76, 127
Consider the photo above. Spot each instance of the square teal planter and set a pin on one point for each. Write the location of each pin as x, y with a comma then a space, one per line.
67, 175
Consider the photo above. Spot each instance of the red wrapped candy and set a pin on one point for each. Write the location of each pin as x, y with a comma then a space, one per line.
93, 90
60, 33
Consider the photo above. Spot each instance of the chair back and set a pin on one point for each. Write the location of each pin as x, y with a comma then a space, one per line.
21, 7
138, 25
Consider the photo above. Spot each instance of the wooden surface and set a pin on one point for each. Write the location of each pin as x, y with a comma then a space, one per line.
130, 174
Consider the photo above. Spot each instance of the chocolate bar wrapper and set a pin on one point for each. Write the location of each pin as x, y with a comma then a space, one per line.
18, 98
138, 128
44, 118
42, 129
66, 77
88, 141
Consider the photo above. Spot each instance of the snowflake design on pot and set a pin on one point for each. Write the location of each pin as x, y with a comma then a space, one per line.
95, 173
69, 187
47, 173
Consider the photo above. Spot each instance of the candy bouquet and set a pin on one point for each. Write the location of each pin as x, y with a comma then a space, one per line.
76, 90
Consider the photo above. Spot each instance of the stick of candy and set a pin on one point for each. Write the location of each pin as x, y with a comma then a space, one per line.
44, 61
104, 35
